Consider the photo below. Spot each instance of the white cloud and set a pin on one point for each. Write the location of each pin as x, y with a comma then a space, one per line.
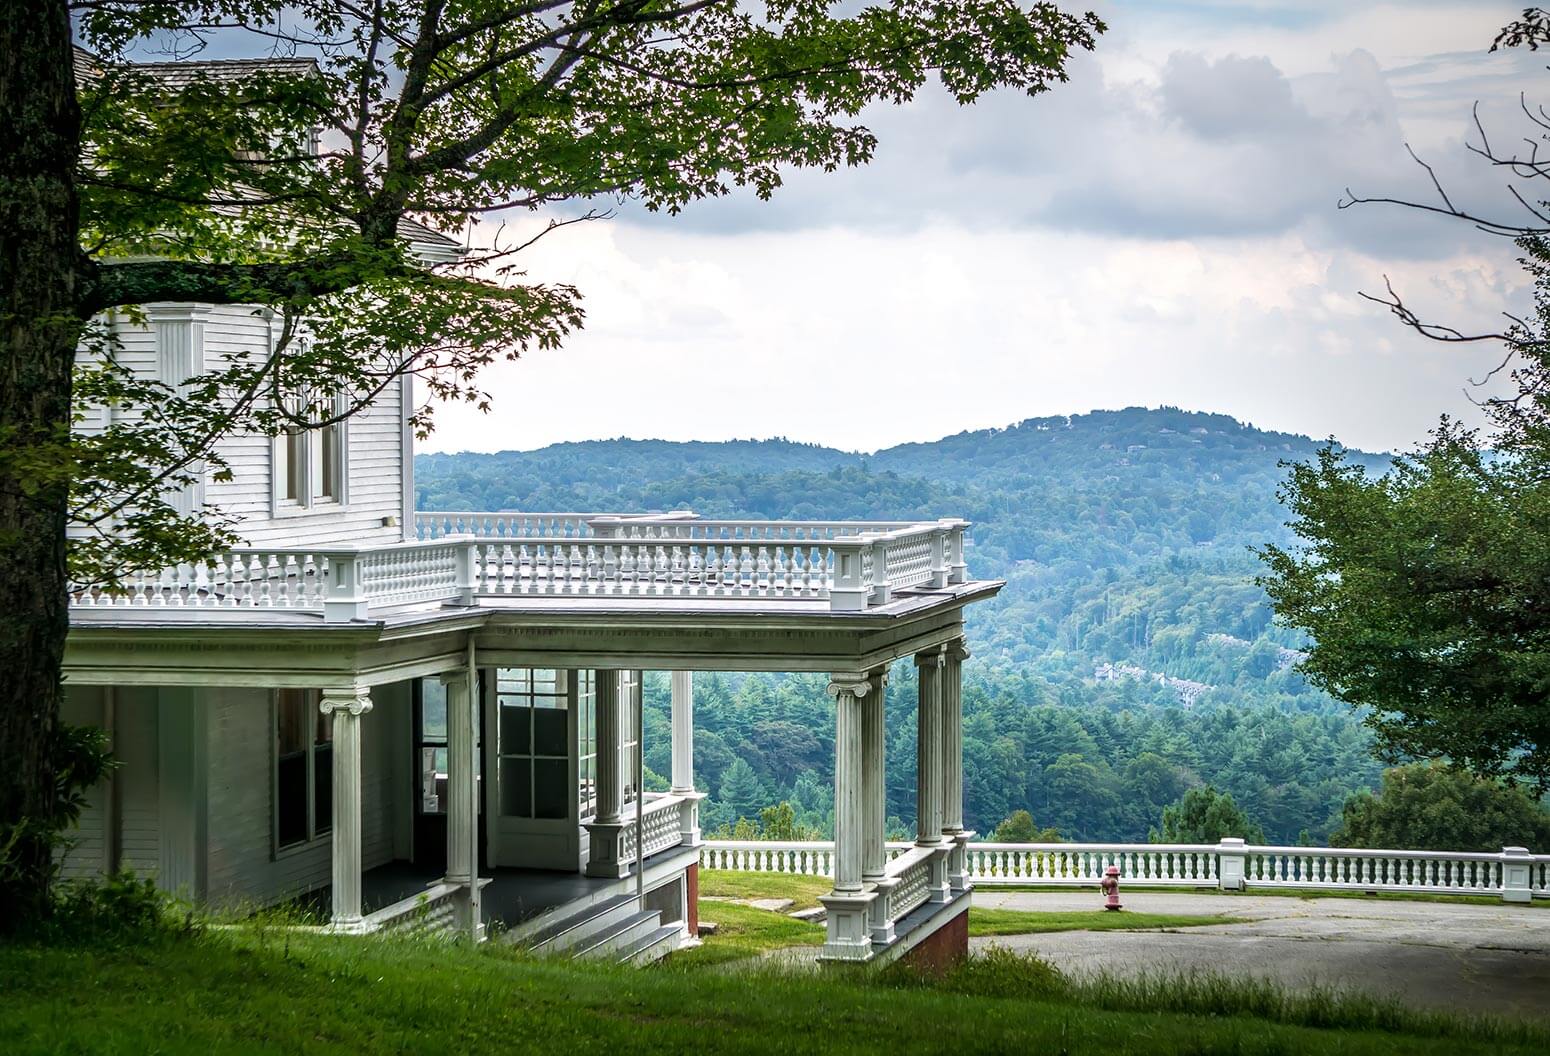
1160, 231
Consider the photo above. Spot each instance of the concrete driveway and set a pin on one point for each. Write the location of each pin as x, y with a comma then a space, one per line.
1458, 957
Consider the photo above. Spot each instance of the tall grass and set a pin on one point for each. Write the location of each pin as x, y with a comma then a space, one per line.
1000, 972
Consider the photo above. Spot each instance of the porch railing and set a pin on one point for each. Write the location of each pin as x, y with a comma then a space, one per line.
1513, 874
459, 558
662, 826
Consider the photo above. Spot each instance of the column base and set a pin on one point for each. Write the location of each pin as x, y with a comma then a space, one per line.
349, 927
849, 931
606, 857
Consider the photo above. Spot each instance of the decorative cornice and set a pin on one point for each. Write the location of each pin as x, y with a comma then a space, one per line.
356, 702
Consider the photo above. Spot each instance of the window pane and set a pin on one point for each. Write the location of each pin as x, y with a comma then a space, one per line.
322, 789
516, 788
290, 721
293, 451
332, 461
550, 733
587, 791
550, 799
291, 799
433, 710
516, 738
314, 466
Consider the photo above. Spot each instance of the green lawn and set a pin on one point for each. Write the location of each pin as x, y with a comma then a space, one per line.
237, 991
1026, 922
743, 932
802, 890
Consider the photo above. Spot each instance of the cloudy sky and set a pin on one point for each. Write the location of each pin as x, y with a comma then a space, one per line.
1161, 230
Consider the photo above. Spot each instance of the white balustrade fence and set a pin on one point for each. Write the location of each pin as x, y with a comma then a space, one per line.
661, 826
460, 557
1512, 873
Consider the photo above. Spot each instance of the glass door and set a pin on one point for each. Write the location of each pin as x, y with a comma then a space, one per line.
536, 765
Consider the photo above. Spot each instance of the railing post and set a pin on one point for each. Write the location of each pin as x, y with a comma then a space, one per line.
957, 566
346, 596
850, 590
939, 569
1517, 864
467, 562
880, 587
1229, 864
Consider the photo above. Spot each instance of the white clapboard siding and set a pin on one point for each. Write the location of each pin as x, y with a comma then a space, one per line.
84, 853
375, 444
242, 867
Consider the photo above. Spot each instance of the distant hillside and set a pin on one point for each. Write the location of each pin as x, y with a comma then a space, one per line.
1125, 539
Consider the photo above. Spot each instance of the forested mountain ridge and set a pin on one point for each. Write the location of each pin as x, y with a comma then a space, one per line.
1130, 656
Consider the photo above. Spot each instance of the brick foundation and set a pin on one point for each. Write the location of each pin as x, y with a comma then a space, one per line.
692, 892
948, 945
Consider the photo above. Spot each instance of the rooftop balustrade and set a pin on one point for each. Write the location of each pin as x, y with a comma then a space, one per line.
463, 558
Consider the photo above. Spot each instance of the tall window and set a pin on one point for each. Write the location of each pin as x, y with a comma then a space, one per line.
310, 464
534, 747
304, 771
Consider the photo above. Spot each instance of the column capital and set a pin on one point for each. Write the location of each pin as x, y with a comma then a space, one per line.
355, 702
931, 657
851, 683
456, 675
958, 649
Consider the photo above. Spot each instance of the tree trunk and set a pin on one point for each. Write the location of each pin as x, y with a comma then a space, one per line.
42, 271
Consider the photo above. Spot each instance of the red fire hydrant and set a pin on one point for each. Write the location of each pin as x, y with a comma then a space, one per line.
1110, 885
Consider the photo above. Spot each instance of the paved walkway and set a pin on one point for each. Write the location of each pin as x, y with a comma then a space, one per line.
1459, 957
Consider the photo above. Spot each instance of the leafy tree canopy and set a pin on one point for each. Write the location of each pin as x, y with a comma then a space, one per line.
1428, 806
1205, 815
1019, 827
1424, 589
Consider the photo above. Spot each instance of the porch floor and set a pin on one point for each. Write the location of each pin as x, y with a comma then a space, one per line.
511, 896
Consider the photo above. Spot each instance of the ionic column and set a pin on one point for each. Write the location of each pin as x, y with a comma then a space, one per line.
683, 731
928, 750
849, 935
952, 735
874, 801
347, 706
683, 758
952, 767
610, 744
606, 831
462, 801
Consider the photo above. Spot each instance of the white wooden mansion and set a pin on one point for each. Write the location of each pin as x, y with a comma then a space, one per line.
430, 720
